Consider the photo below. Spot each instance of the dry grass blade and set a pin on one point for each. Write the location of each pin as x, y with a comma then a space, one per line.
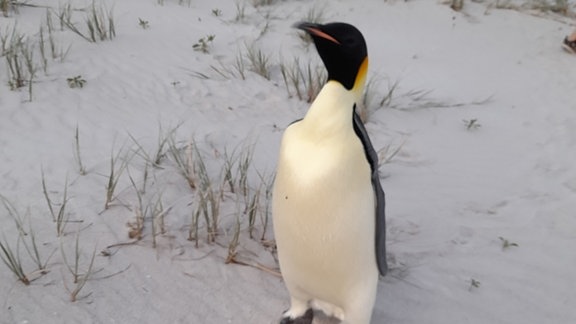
184, 164
258, 61
267, 183
303, 81
114, 176
14, 214
34, 252
387, 153
61, 218
77, 156
12, 260
82, 281
234, 243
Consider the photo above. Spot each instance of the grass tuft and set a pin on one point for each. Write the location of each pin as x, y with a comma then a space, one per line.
99, 22
258, 61
116, 171
506, 244
76, 82
471, 124
34, 252
240, 11
183, 160
388, 152
203, 45
79, 278
12, 260
60, 217
12, 212
18, 51
143, 23
303, 81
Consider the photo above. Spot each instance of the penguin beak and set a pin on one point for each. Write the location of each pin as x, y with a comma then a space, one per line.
315, 30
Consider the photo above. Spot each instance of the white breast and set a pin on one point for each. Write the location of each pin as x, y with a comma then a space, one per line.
324, 208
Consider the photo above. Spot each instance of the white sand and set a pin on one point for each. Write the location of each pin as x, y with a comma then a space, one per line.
452, 192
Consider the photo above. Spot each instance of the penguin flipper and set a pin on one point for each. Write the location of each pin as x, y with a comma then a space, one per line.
372, 157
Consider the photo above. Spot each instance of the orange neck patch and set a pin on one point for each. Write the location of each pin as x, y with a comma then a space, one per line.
361, 76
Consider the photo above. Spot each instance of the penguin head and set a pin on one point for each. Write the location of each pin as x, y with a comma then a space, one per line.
343, 51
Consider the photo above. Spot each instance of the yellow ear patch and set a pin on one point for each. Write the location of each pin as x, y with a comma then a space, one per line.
361, 76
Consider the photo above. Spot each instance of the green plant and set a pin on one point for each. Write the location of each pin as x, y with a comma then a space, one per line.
216, 12
474, 284
506, 244
143, 23
76, 82
204, 43
471, 124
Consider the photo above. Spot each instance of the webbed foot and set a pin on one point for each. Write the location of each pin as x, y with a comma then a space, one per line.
304, 319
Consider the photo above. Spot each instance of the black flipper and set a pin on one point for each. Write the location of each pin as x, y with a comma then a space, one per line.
372, 157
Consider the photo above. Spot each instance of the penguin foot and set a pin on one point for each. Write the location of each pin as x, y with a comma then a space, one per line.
304, 319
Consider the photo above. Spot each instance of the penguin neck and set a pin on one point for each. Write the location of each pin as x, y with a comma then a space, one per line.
331, 111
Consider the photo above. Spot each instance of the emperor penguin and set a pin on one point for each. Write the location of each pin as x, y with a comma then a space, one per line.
328, 204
